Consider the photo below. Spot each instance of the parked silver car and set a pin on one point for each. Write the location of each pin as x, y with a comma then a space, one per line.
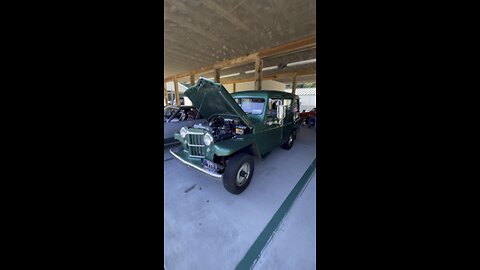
174, 118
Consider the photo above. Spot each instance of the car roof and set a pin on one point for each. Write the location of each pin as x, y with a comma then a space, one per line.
264, 94
181, 106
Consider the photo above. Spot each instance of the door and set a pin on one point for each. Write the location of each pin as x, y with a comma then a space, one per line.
288, 123
269, 136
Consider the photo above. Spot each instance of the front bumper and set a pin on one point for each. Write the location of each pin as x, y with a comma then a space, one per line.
183, 157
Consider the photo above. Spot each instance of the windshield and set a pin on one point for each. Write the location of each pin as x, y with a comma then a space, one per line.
168, 112
253, 106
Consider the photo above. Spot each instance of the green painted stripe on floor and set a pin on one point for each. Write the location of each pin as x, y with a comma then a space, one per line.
253, 254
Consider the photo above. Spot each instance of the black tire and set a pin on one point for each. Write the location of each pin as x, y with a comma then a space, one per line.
289, 143
232, 171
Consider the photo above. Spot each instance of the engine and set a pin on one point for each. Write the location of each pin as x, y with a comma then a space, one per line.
223, 128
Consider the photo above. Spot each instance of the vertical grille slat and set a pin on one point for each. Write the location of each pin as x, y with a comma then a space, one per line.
196, 151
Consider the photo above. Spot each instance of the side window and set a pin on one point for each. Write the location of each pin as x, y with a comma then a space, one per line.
179, 116
272, 106
296, 106
168, 112
288, 103
191, 114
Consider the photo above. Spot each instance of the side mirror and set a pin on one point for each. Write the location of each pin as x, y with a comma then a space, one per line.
281, 112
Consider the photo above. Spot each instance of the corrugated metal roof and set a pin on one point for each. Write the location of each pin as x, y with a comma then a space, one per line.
303, 91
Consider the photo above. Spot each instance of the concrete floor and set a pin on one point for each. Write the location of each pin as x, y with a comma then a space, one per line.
294, 244
208, 228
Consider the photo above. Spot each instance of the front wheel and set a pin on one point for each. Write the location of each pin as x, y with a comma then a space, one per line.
238, 173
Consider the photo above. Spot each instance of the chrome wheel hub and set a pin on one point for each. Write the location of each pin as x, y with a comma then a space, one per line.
242, 174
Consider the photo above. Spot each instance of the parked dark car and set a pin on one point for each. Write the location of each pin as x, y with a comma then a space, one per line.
175, 117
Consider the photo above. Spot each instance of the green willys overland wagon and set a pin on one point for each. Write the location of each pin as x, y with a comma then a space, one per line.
239, 126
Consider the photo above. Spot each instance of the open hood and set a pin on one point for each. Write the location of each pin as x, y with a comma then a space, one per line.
212, 98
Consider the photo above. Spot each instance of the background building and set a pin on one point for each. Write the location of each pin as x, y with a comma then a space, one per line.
307, 97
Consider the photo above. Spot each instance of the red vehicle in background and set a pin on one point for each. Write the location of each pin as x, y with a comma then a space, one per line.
308, 117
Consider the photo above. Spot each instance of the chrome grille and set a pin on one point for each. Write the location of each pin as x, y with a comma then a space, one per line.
196, 146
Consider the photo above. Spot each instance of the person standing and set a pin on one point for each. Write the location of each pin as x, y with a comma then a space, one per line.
312, 117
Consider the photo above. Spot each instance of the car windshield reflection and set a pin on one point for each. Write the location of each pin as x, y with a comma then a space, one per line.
251, 105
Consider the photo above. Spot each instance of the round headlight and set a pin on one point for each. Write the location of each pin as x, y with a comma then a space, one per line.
207, 139
183, 132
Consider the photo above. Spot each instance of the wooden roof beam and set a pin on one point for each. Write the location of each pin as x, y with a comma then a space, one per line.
290, 47
287, 48
249, 58
284, 75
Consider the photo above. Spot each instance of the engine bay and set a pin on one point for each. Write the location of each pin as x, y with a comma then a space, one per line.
223, 127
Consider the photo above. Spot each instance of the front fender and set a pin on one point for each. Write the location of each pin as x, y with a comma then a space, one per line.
231, 146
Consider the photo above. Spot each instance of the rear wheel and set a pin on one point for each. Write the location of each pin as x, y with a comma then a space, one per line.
238, 173
289, 143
